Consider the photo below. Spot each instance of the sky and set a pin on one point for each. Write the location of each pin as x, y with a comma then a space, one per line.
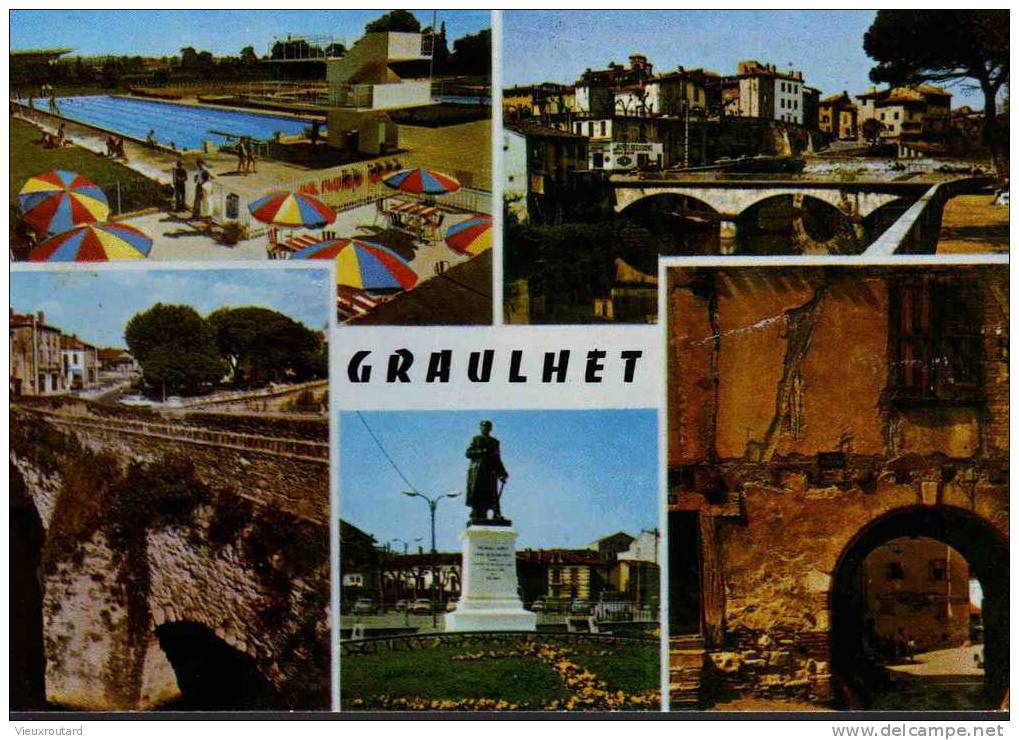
575, 476
164, 32
97, 305
827, 46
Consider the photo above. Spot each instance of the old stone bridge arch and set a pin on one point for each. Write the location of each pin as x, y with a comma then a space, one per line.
219, 605
731, 200
981, 541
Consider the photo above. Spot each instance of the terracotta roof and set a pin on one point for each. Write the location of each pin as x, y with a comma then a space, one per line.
904, 93
73, 342
562, 556
837, 98
410, 560
108, 354
541, 132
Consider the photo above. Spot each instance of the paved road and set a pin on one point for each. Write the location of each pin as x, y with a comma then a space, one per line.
952, 662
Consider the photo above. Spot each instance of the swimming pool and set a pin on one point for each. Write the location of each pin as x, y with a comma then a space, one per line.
187, 126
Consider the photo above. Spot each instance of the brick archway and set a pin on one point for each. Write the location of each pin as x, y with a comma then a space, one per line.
985, 548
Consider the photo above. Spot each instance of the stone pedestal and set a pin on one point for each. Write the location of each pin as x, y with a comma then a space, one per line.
488, 590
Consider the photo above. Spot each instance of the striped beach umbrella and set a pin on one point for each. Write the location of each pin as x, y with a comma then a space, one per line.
362, 264
292, 211
57, 201
472, 236
422, 181
94, 243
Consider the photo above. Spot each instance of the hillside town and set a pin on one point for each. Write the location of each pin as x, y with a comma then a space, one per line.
635, 161
630, 117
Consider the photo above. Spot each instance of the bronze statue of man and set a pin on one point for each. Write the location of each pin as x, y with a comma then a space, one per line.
484, 475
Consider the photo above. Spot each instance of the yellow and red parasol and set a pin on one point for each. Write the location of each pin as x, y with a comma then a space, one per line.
57, 201
94, 243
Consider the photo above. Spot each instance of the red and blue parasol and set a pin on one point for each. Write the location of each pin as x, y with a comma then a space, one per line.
362, 264
94, 243
292, 211
422, 181
57, 201
472, 236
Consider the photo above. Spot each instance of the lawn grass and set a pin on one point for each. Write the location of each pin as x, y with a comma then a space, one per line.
526, 681
433, 674
28, 158
627, 668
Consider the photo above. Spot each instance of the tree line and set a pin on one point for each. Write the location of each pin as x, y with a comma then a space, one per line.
471, 55
180, 352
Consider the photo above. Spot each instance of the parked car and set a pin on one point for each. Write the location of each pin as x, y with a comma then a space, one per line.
451, 605
364, 606
421, 606
538, 605
402, 605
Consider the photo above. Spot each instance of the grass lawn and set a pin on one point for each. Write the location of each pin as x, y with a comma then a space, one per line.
432, 674
627, 668
525, 680
28, 158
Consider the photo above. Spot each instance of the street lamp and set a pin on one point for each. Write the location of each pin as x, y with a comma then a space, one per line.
433, 503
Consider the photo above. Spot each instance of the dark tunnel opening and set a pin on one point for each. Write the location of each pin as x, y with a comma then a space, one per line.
27, 662
211, 675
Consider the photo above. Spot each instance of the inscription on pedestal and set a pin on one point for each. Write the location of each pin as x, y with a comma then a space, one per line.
493, 559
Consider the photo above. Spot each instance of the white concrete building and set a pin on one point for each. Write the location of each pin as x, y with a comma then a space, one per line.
644, 548
514, 164
765, 92
80, 363
365, 77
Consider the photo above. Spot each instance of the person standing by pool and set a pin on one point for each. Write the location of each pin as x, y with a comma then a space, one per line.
250, 155
150, 140
242, 156
202, 178
180, 181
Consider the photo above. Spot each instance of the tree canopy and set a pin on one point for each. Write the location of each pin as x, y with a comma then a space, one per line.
472, 54
176, 349
915, 46
394, 20
262, 345
184, 354
871, 130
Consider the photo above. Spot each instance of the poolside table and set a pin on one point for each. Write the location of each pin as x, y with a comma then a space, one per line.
420, 218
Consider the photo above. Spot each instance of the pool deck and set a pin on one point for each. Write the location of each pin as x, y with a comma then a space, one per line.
447, 149
175, 238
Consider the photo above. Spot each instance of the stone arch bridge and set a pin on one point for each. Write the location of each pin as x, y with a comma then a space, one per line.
220, 603
729, 198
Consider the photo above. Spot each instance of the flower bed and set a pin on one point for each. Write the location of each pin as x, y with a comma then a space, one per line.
576, 687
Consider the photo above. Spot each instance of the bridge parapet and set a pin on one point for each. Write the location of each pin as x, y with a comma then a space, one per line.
918, 229
297, 448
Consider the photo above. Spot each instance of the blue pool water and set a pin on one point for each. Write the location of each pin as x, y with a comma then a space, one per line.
187, 126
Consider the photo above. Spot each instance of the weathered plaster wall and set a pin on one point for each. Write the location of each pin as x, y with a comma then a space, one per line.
801, 363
